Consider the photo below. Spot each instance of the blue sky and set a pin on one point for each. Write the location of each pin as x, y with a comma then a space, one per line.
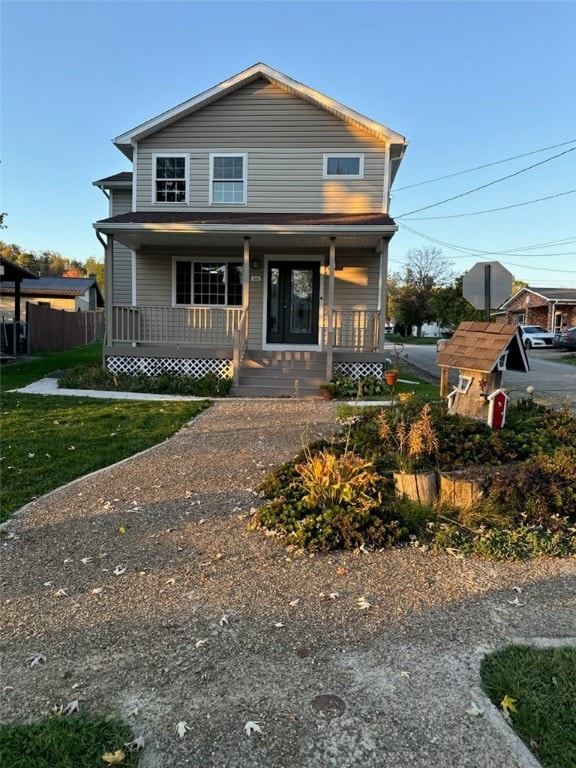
468, 84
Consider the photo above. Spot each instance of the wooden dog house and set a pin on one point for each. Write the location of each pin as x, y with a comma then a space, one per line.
481, 352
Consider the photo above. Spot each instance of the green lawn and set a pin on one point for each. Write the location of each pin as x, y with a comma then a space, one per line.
48, 441
78, 741
542, 685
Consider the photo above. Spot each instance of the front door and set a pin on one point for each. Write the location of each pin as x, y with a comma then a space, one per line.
293, 302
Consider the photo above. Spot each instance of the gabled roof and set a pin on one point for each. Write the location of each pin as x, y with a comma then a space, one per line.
63, 287
561, 295
479, 347
125, 142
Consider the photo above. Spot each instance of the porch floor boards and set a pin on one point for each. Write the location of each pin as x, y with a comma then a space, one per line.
281, 374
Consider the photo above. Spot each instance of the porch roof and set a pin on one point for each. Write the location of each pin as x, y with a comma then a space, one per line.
137, 228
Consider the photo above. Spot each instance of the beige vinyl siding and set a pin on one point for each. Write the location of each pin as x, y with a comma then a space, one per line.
121, 202
357, 285
285, 139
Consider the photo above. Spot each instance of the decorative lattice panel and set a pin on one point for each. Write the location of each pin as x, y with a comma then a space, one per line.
155, 366
357, 370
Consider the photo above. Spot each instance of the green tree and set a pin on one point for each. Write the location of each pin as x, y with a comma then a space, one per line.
451, 308
426, 271
94, 267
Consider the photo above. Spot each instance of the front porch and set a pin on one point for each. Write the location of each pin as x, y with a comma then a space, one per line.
200, 340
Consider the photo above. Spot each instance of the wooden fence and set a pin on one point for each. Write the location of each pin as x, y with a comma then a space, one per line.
54, 330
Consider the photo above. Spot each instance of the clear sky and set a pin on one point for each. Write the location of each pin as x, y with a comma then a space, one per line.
467, 83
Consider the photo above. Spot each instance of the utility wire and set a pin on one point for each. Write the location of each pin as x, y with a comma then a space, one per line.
477, 252
487, 165
492, 210
484, 186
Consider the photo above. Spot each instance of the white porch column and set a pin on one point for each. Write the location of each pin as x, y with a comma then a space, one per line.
383, 291
246, 274
330, 342
109, 306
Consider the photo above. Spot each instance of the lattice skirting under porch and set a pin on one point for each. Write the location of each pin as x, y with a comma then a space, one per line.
358, 370
155, 366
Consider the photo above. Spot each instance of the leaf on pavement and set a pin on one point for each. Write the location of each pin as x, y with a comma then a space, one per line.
119, 570
136, 745
474, 710
251, 727
363, 603
36, 659
182, 727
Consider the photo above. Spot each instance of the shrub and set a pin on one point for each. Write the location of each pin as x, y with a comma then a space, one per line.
95, 376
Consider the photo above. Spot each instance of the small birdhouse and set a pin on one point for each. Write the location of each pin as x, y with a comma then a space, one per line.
497, 402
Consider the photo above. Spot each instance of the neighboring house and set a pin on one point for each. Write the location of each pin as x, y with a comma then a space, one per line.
552, 308
74, 294
251, 238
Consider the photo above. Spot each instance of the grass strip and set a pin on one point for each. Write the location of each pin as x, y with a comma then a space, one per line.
31, 369
48, 441
542, 685
64, 742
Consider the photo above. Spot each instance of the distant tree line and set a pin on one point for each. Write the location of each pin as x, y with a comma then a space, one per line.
53, 264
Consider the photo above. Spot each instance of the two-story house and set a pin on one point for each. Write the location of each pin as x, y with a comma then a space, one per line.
251, 238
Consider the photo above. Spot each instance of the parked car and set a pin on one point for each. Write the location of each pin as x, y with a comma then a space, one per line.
536, 336
566, 339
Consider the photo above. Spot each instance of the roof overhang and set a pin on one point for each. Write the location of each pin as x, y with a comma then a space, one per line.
128, 140
136, 236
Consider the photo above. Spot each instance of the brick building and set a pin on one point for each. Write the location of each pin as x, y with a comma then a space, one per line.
552, 308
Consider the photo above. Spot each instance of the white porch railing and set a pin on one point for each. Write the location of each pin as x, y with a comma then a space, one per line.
175, 325
357, 330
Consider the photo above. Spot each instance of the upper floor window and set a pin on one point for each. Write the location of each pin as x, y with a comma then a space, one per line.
170, 178
351, 166
228, 178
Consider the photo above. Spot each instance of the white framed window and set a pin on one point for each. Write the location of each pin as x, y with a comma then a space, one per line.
214, 283
228, 174
522, 319
464, 383
171, 173
349, 165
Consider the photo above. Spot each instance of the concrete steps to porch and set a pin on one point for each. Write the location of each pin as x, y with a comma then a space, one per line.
281, 374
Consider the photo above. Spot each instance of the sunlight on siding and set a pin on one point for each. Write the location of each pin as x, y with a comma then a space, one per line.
339, 197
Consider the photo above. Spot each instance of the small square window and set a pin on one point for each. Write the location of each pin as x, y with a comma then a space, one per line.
351, 166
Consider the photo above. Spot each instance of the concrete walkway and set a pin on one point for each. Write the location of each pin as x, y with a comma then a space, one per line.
144, 591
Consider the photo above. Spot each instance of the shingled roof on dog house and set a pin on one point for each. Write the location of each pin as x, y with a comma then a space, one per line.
480, 347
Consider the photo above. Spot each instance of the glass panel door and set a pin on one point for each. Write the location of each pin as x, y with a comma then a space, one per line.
293, 303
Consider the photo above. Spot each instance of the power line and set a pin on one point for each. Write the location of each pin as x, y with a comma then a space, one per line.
484, 186
487, 165
477, 252
492, 210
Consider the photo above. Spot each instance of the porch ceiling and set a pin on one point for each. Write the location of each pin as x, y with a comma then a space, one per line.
266, 231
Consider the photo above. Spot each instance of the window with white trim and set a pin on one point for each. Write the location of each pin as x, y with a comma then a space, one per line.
216, 283
170, 178
351, 166
228, 178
